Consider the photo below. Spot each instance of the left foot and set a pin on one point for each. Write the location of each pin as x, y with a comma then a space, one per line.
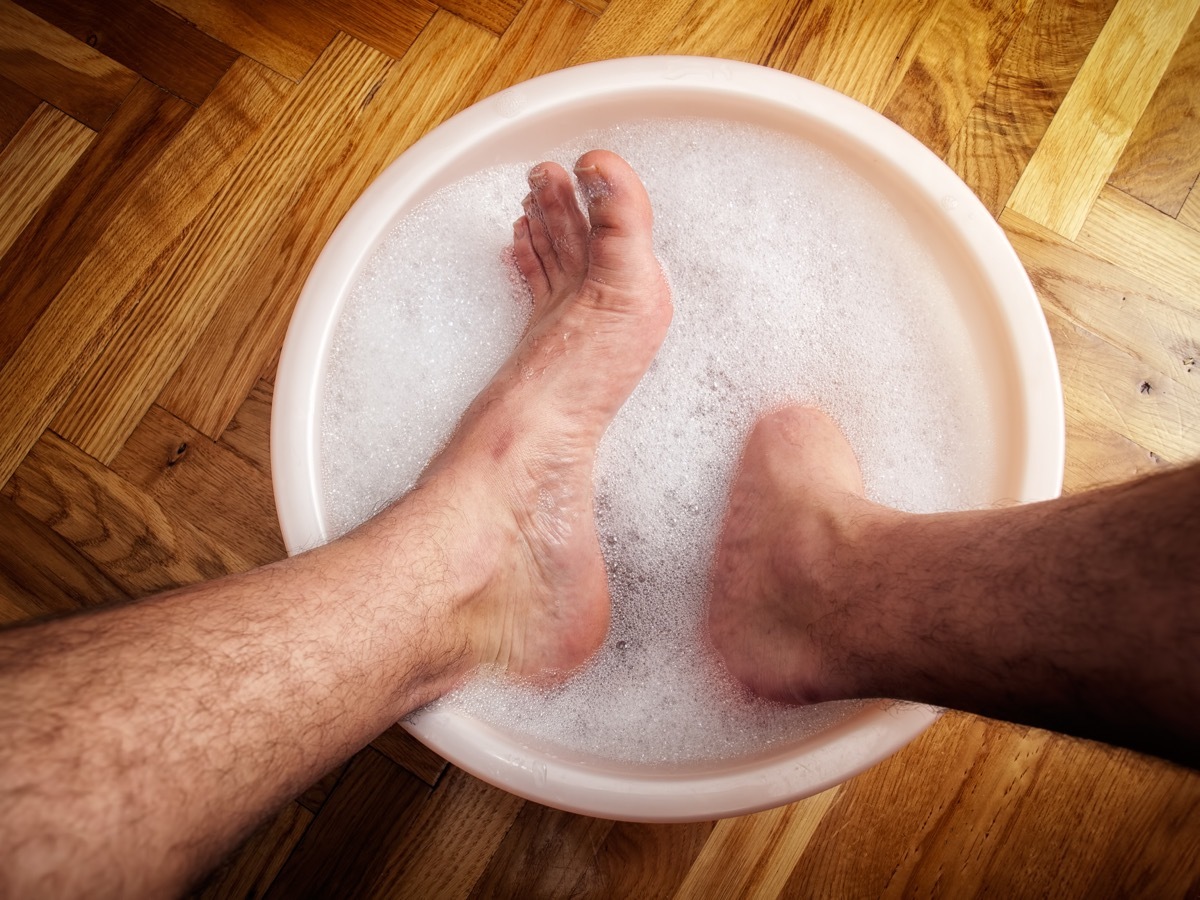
519, 467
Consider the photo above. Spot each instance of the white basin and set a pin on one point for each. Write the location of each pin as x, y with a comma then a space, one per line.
1010, 341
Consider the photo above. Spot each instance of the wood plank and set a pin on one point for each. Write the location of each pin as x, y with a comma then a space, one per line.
72, 333
595, 7
140, 546
1023, 94
1084, 142
630, 28
861, 48
42, 574
494, 15
644, 861
748, 32
264, 254
874, 804
1106, 299
952, 67
208, 485
1097, 456
33, 163
318, 792
46, 255
973, 828
389, 27
1137, 237
144, 37
67, 73
542, 38
249, 434
1108, 386
443, 850
374, 801
405, 750
283, 35
249, 872
752, 856
544, 854
1190, 214
121, 383
1139, 816
16, 106
1162, 159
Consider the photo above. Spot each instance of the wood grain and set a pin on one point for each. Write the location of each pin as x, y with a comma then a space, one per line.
250, 871
65, 230
951, 68
1190, 214
862, 48
33, 163
447, 845
1021, 98
114, 393
62, 71
1102, 383
43, 574
1109, 300
744, 31
373, 800
544, 854
258, 250
1162, 159
1136, 236
542, 38
280, 34
728, 867
630, 28
139, 545
388, 27
1084, 142
405, 750
494, 15
145, 38
206, 482
16, 106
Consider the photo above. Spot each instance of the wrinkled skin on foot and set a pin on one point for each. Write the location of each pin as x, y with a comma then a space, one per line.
519, 468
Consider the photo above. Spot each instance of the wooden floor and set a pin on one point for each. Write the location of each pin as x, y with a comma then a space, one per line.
169, 171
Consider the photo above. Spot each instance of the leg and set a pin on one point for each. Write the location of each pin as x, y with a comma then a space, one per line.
137, 744
1080, 614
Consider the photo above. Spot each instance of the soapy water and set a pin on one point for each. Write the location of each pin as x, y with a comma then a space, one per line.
794, 281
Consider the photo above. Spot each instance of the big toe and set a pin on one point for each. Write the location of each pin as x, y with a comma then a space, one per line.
621, 250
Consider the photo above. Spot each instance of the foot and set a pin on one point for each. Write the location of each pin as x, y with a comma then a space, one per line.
784, 610
519, 468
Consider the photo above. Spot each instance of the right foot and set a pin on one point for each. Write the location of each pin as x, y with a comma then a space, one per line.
520, 463
781, 603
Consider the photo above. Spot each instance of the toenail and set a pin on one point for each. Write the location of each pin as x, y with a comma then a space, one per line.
538, 177
593, 183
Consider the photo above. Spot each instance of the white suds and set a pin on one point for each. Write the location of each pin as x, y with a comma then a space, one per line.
794, 280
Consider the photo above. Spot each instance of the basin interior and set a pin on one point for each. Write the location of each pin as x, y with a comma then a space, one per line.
1009, 343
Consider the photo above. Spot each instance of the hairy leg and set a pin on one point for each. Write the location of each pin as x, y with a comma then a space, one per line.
1081, 614
138, 744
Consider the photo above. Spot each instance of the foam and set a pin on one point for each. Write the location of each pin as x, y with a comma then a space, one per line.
794, 280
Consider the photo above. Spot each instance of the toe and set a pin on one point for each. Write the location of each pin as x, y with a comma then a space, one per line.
564, 224
621, 248
528, 262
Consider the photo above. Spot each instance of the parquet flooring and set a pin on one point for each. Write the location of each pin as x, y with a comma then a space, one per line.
169, 171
